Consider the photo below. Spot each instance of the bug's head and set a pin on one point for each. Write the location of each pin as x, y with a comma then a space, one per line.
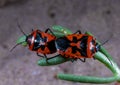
94, 46
35, 40
32, 40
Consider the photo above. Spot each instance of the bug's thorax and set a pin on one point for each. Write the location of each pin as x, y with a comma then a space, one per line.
41, 42
92, 47
35, 40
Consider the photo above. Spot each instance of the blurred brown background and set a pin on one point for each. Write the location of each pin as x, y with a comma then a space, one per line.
19, 67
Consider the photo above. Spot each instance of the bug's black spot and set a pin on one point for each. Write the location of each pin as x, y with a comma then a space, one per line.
44, 39
83, 46
42, 47
37, 41
74, 49
83, 53
74, 40
83, 43
62, 43
51, 46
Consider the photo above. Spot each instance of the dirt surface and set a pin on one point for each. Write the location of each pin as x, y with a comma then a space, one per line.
19, 67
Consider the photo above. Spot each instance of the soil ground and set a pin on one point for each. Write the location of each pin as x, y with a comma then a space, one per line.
19, 67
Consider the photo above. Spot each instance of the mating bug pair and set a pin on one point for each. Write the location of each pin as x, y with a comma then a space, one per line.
75, 46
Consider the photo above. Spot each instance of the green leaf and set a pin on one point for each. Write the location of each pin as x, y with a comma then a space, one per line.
86, 79
22, 40
53, 61
61, 29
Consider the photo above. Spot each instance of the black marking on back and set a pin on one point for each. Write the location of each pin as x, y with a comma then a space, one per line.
83, 46
44, 39
74, 49
62, 43
42, 47
74, 39
82, 52
37, 42
51, 46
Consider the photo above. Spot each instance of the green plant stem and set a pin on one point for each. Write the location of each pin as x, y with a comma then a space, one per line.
113, 67
105, 52
59, 34
104, 59
86, 79
89, 79
101, 57
53, 61
61, 29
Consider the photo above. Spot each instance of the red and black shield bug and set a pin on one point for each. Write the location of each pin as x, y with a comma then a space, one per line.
38, 41
77, 46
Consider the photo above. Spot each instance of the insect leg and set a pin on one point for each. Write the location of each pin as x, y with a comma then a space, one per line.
54, 56
83, 60
40, 55
46, 58
48, 29
78, 31
94, 58
43, 57
72, 60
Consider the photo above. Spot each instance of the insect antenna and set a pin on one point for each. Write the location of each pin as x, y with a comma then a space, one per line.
15, 46
21, 29
19, 42
105, 43
107, 40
